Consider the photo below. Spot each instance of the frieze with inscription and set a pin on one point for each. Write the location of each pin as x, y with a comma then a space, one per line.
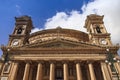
46, 37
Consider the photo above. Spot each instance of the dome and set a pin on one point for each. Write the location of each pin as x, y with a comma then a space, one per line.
58, 33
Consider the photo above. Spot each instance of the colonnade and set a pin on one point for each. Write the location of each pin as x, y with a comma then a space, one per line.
65, 67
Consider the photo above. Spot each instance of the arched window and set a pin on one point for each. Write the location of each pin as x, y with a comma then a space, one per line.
98, 29
19, 31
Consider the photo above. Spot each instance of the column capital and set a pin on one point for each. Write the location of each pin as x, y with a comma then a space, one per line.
65, 61
28, 61
52, 61
77, 61
40, 61
13, 61
90, 61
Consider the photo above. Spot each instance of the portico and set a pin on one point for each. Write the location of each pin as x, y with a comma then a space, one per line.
58, 70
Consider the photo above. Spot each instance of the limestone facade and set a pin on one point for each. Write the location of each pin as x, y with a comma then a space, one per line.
59, 54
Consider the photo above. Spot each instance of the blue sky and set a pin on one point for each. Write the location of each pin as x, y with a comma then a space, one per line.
65, 13
39, 10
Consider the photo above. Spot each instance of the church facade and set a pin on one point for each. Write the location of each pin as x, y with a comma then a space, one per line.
60, 54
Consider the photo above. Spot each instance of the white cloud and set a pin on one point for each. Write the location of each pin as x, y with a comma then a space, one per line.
75, 20
72, 20
35, 30
18, 9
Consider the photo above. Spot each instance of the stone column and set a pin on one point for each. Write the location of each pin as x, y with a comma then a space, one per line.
26, 72
106, 74
91, 70
78, 70
52, 71
14, 71
65, 67
39, 72
118, 67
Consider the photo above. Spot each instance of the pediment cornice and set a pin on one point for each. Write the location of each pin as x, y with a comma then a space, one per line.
60, 50
62, 43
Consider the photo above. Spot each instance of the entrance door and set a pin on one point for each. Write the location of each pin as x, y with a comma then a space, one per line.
59, 74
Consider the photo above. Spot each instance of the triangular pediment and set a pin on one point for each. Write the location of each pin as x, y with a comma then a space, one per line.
59, 43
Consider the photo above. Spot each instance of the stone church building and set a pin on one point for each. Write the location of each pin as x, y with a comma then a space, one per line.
60, 54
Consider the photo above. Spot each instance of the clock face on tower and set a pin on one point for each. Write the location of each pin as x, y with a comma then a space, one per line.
15, 42
103, 41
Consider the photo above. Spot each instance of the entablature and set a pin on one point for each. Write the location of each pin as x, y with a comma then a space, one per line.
75, 50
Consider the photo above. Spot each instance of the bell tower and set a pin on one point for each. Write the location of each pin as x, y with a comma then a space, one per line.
21, 31
97, 31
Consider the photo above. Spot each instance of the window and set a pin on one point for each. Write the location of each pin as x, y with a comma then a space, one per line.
19, 31
98, 29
